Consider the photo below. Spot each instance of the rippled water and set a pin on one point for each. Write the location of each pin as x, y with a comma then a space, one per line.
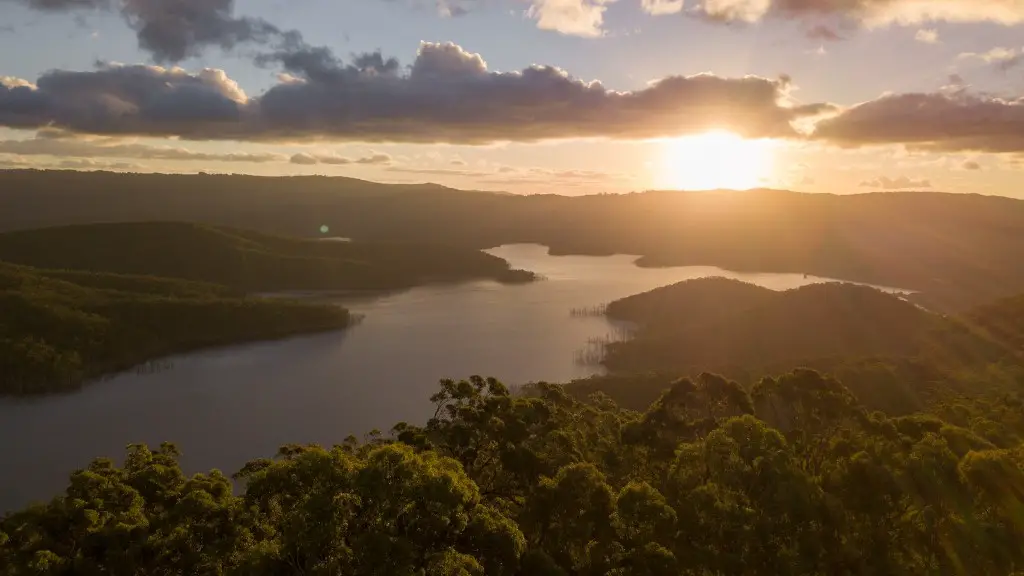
224, 407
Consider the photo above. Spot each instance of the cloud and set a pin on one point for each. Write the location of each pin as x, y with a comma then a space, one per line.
119, 99
173, 30
927, 36
871, 13
58, 144
19, 162
586, 17
573, 17
944, 121
87, 164
447, 95
971, 165
899, 183
661, 7
1002, 59
307, 159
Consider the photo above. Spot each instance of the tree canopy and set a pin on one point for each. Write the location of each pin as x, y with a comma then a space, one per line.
62, 328
792, 477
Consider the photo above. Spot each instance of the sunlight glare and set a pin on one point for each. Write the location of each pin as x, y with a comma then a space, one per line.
717, 160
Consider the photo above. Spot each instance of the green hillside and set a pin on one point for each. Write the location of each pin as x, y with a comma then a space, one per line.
60, 329
894, 354
246, 260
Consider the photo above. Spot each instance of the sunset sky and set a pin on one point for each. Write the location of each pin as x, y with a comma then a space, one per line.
529, 96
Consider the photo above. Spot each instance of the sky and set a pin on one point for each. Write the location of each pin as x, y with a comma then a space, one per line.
526, 96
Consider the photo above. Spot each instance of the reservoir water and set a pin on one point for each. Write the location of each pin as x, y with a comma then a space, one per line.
227, 406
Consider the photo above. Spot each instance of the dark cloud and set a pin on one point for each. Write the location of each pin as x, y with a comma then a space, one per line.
958, 121
173, 30
899, 183
971, 165
126, 100
307, 159
446, 95
64, 5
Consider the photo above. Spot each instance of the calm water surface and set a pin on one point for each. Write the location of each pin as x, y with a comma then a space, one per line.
227, 406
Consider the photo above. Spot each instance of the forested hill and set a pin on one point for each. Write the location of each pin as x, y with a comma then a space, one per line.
246, 260
956, 250
750, 326
794, 477
870, 338
59, 329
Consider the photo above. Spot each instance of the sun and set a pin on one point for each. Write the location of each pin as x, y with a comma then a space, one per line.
716, 160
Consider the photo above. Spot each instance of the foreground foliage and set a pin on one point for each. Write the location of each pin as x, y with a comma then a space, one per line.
792, 477
60, 328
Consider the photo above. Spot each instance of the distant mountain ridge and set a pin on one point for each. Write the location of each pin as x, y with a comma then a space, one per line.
955, 251
246, 260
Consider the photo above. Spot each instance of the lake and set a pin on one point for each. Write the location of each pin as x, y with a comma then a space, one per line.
227, 406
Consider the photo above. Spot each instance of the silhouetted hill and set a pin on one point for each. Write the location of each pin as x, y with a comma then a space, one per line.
246, 260
760, 328
690, 302
956, 250
60, 329
894, 355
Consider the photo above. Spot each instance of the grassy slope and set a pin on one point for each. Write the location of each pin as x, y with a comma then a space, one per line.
245, 260
60, 329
